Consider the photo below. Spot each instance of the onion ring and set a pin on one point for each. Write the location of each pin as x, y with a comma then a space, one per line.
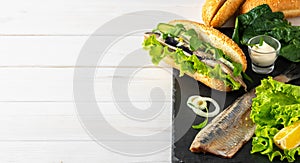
198, 103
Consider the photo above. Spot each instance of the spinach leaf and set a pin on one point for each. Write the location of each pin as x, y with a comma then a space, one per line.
291, 51
244, 20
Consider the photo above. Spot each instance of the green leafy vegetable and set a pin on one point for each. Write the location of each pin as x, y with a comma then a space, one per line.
262, 21
202, 124
275, 106
156, 50
170, 29
183, 61
198, 65
245, 76
261, 41
238, 69
195, 43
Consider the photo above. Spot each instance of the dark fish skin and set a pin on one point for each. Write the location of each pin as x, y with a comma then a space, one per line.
228, 131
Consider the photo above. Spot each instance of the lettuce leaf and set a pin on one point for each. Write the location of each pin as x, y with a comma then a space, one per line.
275, 106
155, 49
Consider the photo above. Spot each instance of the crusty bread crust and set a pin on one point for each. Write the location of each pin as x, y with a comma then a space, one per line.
290, 8
216, 12
209, 9
216, 39
210, 82
225, 12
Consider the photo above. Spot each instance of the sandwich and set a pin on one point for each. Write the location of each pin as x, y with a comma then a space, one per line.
199, 51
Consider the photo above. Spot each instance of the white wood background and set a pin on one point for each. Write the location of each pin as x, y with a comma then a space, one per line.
39, 45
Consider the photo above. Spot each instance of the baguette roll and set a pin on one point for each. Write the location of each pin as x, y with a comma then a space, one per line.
216, 12
290, 8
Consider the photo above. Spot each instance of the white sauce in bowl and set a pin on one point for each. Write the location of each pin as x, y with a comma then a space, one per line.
264, 55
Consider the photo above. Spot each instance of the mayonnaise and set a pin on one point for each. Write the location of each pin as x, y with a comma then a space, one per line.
264, 55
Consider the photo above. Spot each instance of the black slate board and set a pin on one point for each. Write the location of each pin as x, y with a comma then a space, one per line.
183, 117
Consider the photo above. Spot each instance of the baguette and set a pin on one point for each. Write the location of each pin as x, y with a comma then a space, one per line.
216, 39
216, 12
290, 8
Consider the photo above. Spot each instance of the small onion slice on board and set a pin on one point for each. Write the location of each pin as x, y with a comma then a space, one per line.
197, 104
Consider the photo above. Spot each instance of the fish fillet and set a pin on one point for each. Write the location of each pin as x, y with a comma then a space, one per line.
227, 132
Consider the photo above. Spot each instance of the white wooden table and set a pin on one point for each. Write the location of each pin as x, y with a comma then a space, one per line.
39, 45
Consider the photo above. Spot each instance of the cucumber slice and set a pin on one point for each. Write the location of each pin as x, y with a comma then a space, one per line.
170, 29
165, 28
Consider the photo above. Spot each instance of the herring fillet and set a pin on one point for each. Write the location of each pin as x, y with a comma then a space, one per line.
228, 131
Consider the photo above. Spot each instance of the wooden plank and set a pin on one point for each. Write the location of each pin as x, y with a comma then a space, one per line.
59, 121
78, 17
48, 84
40, 50
70, 152
63, 51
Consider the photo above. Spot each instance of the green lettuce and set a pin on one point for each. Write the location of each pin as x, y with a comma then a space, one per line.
262, 21
275, 106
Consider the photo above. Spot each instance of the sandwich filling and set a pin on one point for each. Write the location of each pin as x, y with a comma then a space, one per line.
192, 54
